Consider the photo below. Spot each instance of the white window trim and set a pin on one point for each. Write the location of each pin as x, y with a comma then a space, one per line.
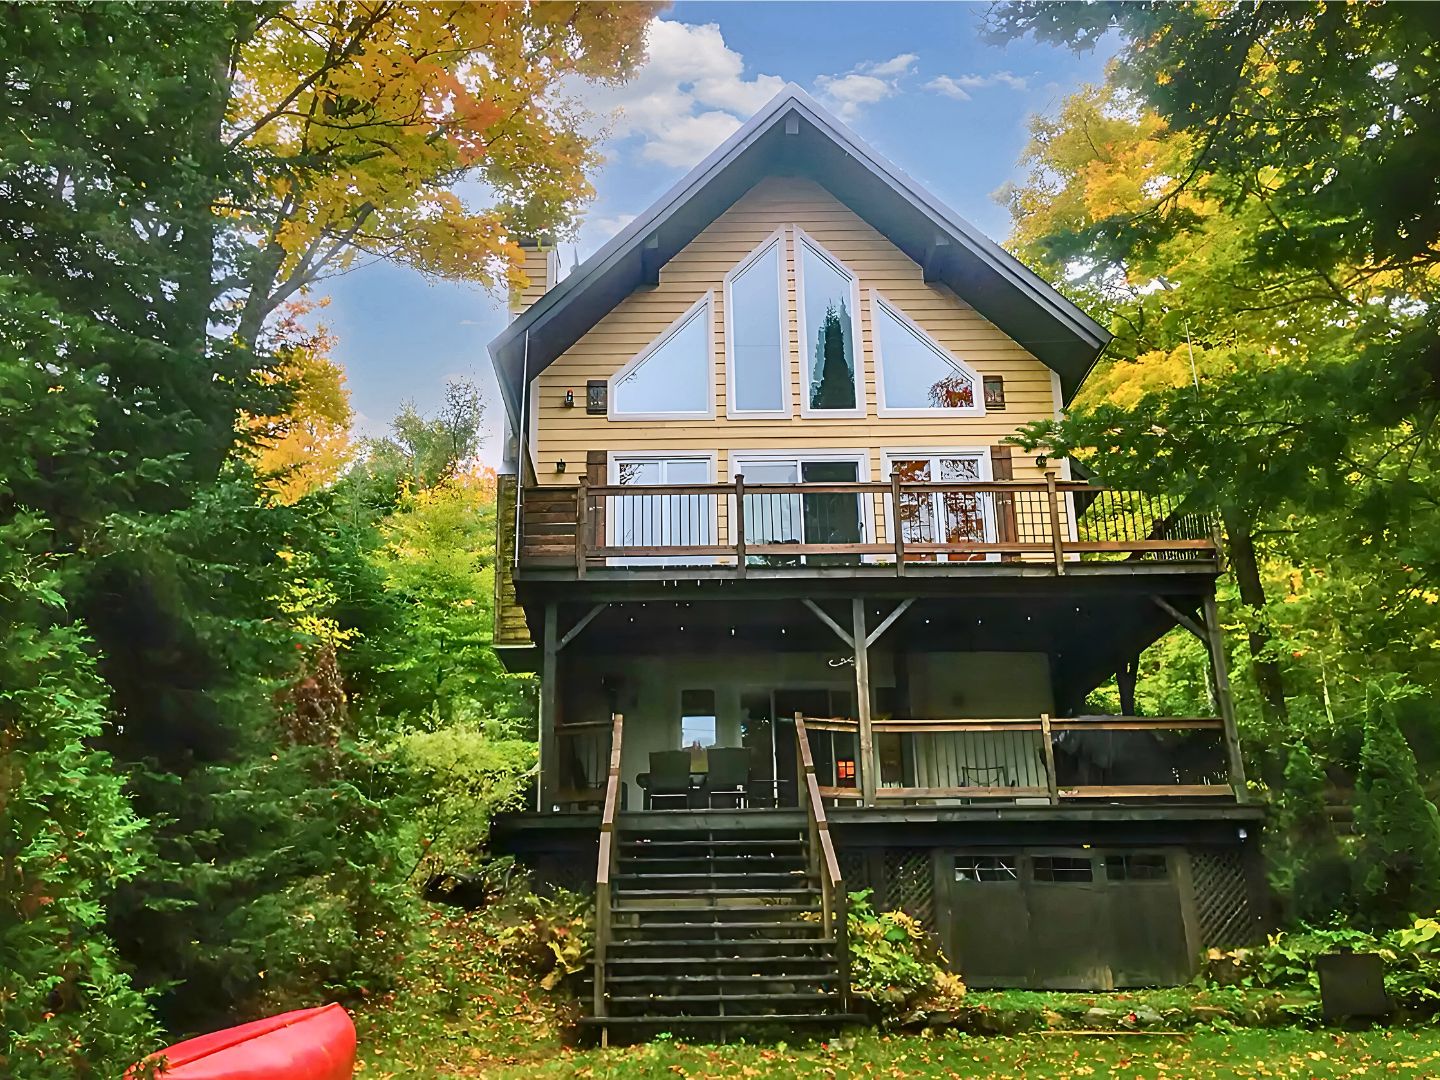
887, 459
877, 302
708, 413
802, 337
612, 476
786, 410
739, 459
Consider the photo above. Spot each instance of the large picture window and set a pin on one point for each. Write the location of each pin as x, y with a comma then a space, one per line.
797, 518
915, 374
674, 378
757, 373
829, 332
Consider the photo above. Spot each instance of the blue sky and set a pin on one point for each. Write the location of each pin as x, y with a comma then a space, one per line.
912, 79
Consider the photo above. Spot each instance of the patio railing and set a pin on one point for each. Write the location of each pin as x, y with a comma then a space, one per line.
824, 863
605, 869
742, 526
1038, 760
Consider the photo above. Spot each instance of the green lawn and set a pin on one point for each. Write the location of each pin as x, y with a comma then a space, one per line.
1218, 1055
463, 1013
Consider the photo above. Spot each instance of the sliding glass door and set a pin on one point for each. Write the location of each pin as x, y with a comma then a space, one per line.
796, 517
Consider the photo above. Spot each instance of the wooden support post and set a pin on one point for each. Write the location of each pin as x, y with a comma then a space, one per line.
582, 513
1057, 541
1047, 745
862, 700
1125, 682
1220, 672
897, 524
549, 687
737, 524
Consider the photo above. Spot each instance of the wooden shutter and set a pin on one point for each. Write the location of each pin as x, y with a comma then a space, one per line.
1002, 467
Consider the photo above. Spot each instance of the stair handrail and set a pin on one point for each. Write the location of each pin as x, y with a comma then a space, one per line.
605, 868
823, 861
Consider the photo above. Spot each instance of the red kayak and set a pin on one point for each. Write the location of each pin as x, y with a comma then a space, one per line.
308, 1044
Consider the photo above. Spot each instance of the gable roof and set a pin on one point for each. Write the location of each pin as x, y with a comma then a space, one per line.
792, 135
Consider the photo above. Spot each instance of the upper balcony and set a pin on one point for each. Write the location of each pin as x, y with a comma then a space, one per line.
738, 529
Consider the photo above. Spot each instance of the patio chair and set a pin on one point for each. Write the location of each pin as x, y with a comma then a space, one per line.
729, 776
669, 778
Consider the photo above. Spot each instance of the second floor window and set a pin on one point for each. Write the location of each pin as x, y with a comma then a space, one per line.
673, 378
829, 331
915, 374
758, 374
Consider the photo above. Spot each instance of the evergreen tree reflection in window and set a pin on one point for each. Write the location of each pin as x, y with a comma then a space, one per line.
834, 362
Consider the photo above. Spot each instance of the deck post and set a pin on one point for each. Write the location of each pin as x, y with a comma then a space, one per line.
862, 700
895, 523
1220, 672
1057, 542
737, 525
1047, 746
582, 513
549, 686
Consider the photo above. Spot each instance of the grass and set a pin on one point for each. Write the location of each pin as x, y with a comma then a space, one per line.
461, 1013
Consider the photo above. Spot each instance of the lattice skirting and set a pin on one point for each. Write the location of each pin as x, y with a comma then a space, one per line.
1224, 906
560, 870
900, 879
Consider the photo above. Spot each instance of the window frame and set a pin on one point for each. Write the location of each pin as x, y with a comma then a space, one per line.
905, 453
707, 302
860, 457
877, 302
787, 405
614, 458
802, 338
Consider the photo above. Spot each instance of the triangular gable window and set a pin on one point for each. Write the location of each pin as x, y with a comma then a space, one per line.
674, 376
916, 375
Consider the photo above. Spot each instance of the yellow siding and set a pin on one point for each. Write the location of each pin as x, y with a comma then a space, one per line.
568, 433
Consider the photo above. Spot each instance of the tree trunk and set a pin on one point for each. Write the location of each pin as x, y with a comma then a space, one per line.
1240, 548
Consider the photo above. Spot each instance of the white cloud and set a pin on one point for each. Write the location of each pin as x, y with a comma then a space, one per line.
960, 86
864, 84
896, 65
690, 95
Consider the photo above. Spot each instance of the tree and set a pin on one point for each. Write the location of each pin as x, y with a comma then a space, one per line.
309, 444
1314, 874
834, 356
1398, 862
361, 117
426, 451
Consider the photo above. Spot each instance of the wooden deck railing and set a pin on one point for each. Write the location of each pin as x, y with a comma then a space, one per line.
741, 526
823, 861
605, 869
1039, 759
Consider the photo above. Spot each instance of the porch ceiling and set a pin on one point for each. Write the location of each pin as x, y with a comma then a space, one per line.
1086, 634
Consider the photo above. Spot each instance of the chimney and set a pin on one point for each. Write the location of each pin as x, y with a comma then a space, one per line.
542, 266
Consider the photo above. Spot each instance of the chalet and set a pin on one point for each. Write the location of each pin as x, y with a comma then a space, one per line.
806, 623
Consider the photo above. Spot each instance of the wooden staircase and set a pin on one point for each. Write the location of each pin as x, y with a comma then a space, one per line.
709, 924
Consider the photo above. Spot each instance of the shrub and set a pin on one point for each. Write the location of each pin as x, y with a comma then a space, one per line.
551, 936
896, 965
1312, 872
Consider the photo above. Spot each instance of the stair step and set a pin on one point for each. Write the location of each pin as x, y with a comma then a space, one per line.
681, 891
714, 961
722, 943
714, 979
715, 876
694, 842
718, 999
771, 1018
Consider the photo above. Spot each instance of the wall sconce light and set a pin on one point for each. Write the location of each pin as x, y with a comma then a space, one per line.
569, 399
1041, 461
560, 465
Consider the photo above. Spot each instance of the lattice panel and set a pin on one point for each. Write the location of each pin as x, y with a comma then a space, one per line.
855, 869
1222, 900
562, 870
910, 883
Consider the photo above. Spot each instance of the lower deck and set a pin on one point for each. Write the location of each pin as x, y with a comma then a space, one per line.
1086, 898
